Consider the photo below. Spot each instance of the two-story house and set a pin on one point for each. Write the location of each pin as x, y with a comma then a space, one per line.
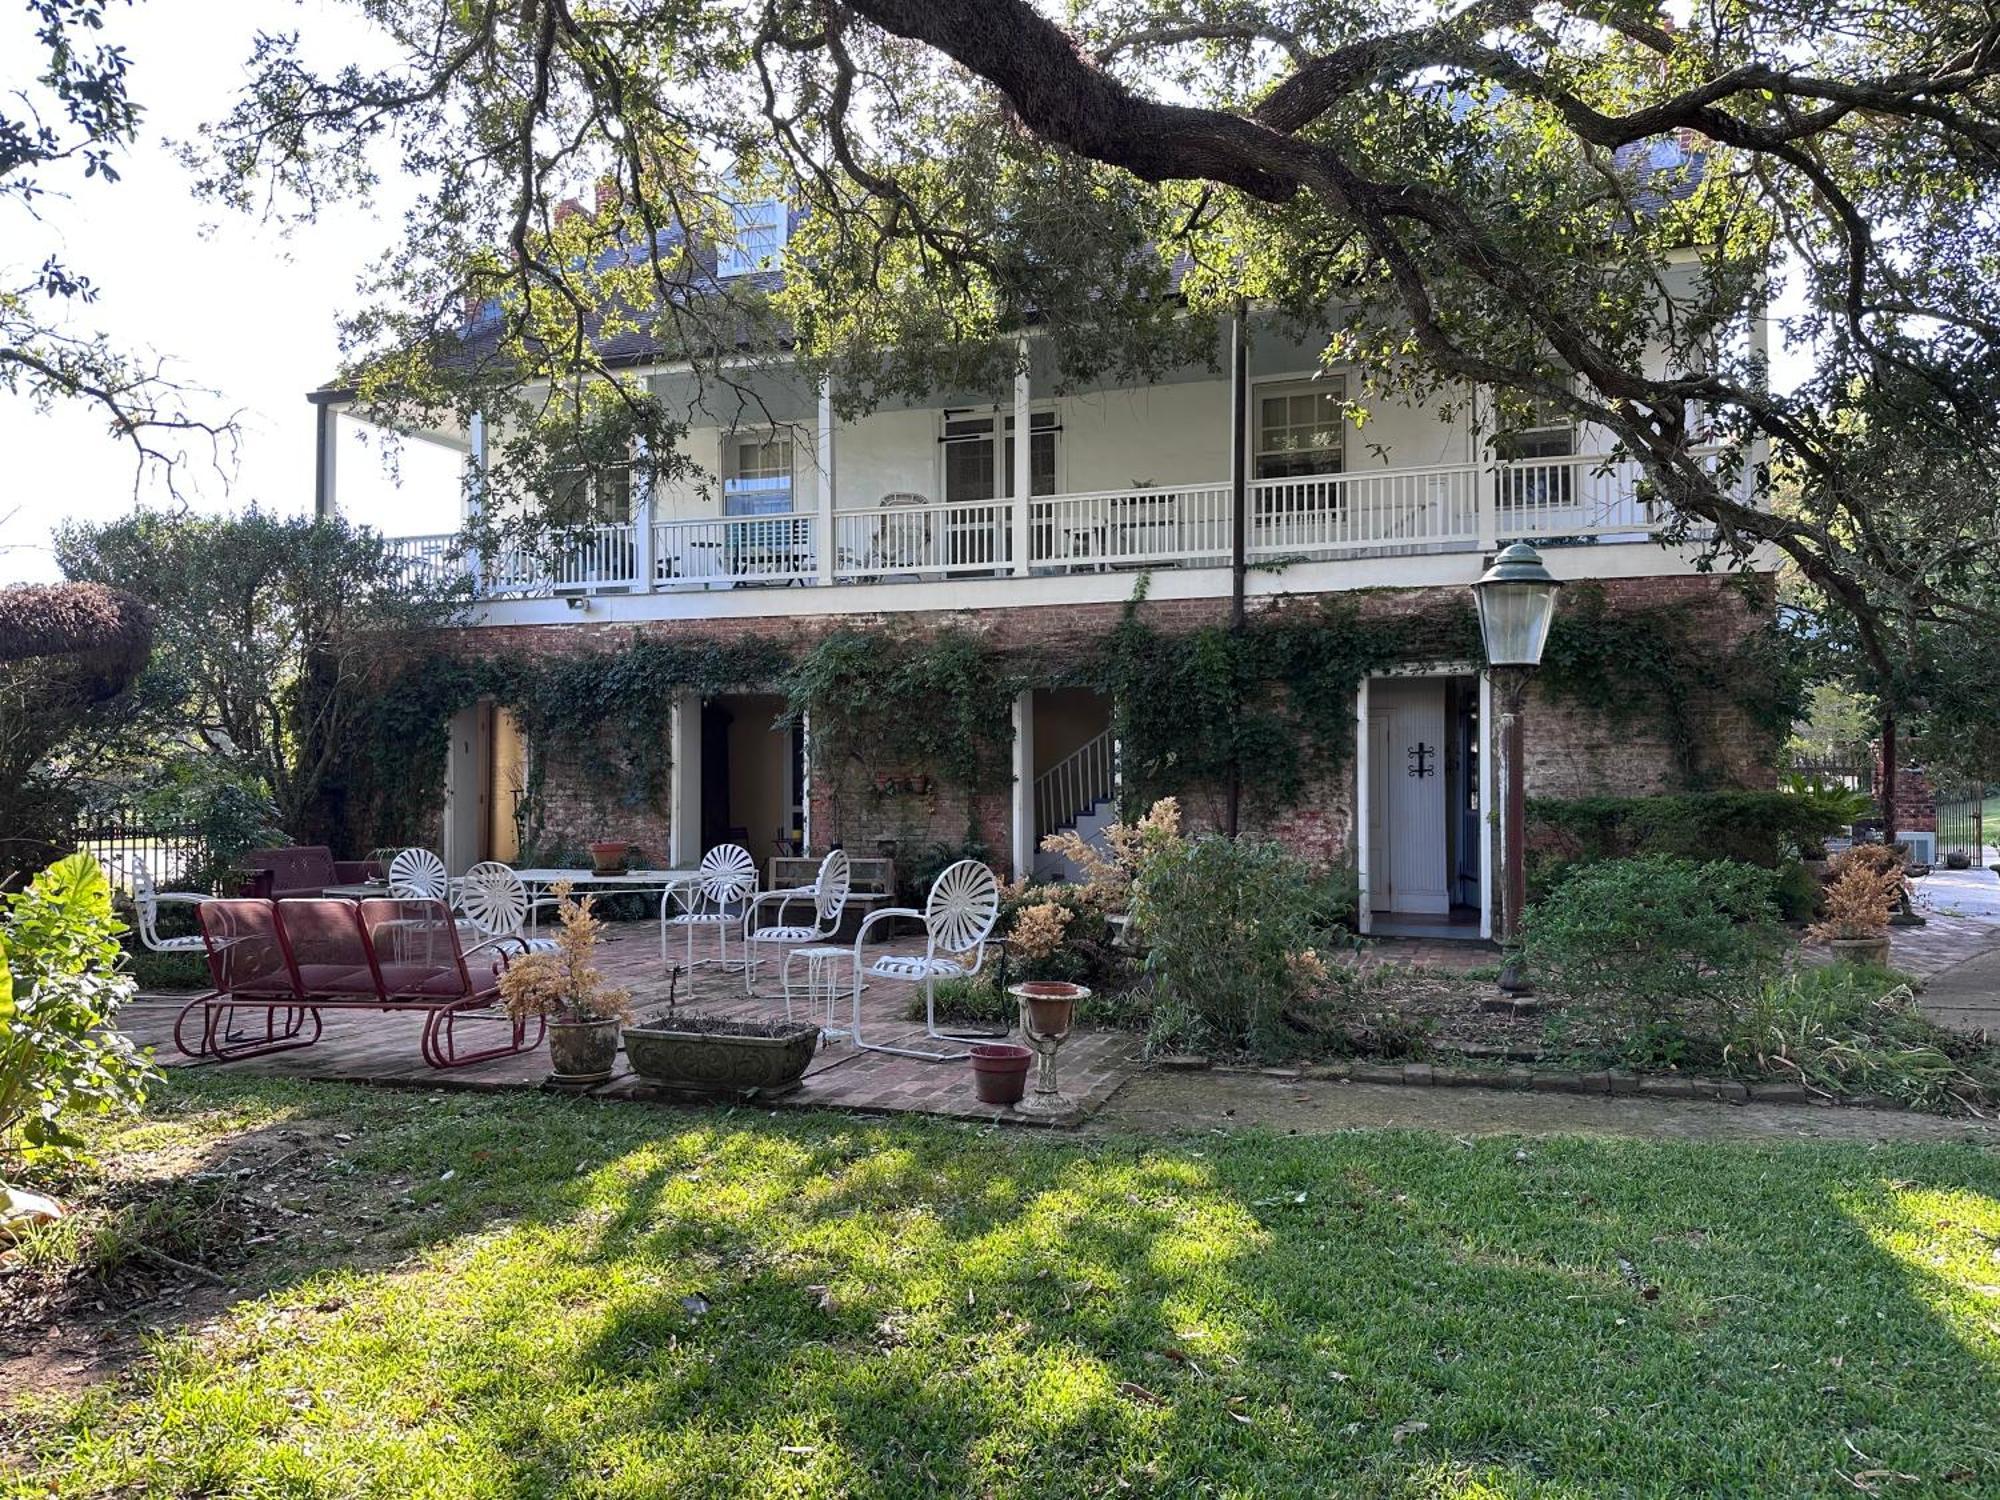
1249, 481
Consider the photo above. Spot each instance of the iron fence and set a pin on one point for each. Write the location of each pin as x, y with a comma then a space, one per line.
173, 853
1964, 830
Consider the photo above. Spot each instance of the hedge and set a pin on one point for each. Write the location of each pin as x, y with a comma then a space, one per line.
1756, 828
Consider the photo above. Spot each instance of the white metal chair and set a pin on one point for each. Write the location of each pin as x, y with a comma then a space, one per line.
146, 900
417, 875
958, 919
828, 895
716, 897
496, 903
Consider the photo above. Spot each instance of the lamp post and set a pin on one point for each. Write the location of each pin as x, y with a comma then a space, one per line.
1517, 600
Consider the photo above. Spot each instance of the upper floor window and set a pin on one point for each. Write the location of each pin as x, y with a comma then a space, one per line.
1300, 429
759, 239
979, 455
757, 474
590, 495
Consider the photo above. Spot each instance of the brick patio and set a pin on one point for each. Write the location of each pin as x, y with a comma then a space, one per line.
365, 1047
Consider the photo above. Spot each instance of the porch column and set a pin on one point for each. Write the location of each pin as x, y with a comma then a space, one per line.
1759, 454
475, 486
1485, 479
643, 510
823, 535
684, 782
1024, 783
1023, 465
1363, 917
326, 471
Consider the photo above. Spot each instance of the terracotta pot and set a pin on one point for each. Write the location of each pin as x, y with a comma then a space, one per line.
1000, 1072
583, 1049
609, 858
1873, 950
1050, 1003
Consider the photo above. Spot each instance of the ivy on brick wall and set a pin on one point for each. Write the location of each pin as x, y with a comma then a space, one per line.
1273, 704
1661, 667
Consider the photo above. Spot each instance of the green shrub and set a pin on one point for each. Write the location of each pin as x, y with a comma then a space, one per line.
1234, 929
60, 990
1757, 828
166, 973
1843, 1029
1654, 958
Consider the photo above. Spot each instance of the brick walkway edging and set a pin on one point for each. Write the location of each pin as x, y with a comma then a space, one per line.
1521, 1077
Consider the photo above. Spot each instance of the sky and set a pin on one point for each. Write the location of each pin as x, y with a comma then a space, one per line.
231, 303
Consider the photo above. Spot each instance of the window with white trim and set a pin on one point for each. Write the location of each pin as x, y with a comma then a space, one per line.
1300, 429
757, 475
1536, 478
977, 467
590, 495
759, 240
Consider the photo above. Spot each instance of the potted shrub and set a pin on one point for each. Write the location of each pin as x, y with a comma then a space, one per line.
563, 985
1862, 890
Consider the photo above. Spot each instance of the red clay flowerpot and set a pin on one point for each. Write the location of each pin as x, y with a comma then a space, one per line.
608, 858
1000, 1072
1051, 1004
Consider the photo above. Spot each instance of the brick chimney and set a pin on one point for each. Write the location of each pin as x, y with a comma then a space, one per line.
567, 208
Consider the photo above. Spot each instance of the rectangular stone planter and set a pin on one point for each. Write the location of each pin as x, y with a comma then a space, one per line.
699, 1055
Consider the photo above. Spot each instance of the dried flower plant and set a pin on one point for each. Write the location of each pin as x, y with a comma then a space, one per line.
1862, 891
565, 985
1039, 930
1108, 872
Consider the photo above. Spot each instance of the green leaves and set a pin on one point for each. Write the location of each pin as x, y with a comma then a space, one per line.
60, 1054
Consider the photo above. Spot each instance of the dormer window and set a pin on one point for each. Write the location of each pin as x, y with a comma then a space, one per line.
759, 240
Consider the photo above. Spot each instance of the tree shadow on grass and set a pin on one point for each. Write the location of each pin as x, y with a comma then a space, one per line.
744, 1305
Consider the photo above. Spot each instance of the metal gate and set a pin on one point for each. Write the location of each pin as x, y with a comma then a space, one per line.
1968, 819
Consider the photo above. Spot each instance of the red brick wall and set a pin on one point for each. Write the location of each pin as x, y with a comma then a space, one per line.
1570, 752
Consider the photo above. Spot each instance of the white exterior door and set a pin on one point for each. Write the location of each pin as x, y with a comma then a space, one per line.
1407, 797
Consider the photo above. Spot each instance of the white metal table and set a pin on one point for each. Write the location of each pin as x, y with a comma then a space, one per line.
540, 882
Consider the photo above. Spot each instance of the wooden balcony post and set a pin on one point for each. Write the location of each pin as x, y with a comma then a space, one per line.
823, 456
645, 566
1024, 444
475, 488
1486, 479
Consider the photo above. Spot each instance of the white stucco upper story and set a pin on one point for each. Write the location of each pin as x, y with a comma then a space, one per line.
782, 494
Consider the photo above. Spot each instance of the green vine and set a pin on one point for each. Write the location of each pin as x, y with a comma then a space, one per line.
1272, 704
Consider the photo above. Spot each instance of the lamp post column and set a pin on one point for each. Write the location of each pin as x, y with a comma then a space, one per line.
1510, 687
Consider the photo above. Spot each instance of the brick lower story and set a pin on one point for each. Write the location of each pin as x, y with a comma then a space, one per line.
1569, 752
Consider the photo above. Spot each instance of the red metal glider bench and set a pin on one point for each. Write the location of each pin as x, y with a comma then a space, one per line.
290, 960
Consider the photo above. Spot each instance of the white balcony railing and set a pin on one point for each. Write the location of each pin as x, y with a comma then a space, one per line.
1442, 508
909, 541
1329, 514
733, 551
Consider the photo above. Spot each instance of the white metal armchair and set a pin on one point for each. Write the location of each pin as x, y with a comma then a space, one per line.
494, 901
717, 897
828, 897
417, 875
958, 919
146, 901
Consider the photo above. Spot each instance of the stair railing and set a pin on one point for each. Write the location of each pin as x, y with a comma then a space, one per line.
1075, 784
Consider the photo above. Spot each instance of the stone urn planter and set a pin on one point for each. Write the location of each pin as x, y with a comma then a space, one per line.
609, 856
583, 1051
1048, 1010
1868, 950
1000, 1072
708, 1055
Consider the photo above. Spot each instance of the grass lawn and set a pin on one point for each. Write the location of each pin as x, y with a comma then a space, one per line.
618, 1301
